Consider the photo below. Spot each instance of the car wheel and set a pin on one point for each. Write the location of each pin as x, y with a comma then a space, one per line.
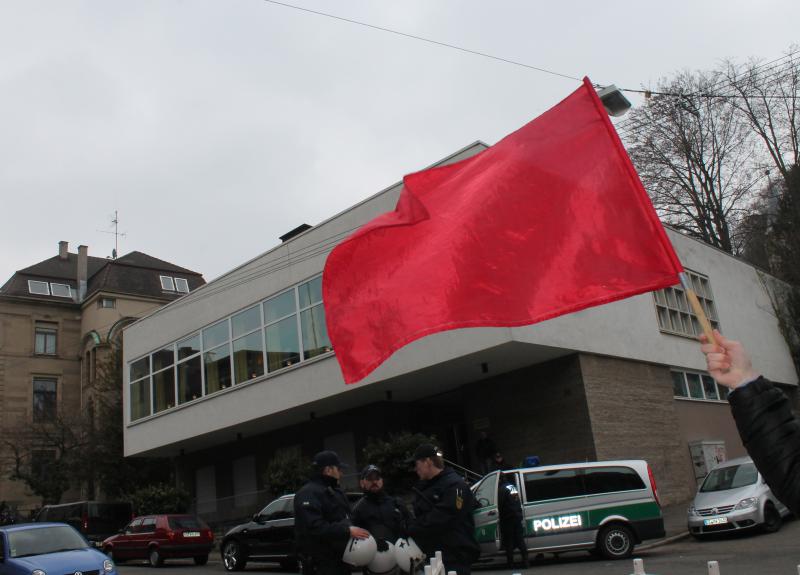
772, 518
290, 564
233, 556
615, 541
155, 558
201, 559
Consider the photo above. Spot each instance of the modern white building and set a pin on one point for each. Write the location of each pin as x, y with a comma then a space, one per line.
241, 369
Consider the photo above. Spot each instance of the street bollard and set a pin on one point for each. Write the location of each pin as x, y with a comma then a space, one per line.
638, 567
713, 568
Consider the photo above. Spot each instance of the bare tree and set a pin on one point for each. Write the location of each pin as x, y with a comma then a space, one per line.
767, 96
693, 152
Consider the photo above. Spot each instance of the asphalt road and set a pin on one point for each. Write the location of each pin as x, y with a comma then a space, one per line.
752, 554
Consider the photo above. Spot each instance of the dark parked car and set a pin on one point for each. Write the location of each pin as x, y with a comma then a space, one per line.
267, 537
95, 520
159, 537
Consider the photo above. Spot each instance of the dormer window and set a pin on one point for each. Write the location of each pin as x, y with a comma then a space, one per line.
60, 290
38, 288
169, 283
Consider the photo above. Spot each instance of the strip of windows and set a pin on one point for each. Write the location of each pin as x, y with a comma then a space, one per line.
44, 288
674, 314
169, 283
698, 386
272, 335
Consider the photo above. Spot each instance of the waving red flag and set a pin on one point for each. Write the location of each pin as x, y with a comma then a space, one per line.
550, 220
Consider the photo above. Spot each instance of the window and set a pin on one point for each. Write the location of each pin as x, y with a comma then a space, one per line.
38, 288
700, 386
107, 302
611, 479
44, 398
45, 338
674, 313
148, 525
556, 484
166, 283
139, 372
60, 290
182, 285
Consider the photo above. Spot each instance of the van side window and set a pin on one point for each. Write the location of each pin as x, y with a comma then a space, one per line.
611, 479
148, 525
555, 484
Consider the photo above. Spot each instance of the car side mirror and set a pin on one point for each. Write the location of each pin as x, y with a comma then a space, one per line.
258, 518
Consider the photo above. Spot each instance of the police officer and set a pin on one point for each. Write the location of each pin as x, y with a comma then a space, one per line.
378, 512
510, 508
322, 519
443, 512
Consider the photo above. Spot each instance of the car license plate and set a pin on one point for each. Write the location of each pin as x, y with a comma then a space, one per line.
715, 521
191, 534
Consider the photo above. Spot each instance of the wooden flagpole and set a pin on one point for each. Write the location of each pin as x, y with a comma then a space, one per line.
697, 308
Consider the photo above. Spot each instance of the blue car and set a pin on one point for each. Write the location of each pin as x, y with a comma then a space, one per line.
49, 549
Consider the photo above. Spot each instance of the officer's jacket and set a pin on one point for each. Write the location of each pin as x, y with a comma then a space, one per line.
382, 515
321, 518
443, 517
771, 435
508, 503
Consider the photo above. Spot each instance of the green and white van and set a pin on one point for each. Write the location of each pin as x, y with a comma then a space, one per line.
604, 506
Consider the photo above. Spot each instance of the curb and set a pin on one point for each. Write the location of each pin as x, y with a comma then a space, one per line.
665, 541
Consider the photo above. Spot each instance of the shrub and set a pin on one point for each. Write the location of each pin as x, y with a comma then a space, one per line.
286, 473
391, 455
159, 498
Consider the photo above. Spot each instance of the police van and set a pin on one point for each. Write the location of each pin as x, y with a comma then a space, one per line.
607, 507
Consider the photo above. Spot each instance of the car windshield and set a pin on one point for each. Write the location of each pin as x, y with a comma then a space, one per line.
41, 540
730, 478
186, 522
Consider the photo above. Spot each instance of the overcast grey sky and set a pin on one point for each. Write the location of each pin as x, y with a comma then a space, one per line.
215, 126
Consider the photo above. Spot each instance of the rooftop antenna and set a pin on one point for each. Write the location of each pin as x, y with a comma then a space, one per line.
117, 235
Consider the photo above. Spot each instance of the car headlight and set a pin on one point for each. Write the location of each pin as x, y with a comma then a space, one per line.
108, 565
692, 510
747, 503
38, 572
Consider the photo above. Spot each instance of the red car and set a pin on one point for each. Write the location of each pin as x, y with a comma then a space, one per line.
159, 537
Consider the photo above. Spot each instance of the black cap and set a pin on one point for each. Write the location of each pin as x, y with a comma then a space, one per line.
370, 470
326, 458
423, 451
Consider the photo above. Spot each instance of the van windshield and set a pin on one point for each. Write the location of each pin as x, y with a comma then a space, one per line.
730, 478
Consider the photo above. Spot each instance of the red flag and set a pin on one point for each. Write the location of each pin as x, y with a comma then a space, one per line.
550, 220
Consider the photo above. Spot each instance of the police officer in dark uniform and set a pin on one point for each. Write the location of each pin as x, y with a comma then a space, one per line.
322, 519
510, 508
443, 512
378, 512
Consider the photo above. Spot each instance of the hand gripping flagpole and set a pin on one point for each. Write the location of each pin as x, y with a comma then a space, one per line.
697, 308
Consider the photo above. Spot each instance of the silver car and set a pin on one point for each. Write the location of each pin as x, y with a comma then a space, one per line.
733, 496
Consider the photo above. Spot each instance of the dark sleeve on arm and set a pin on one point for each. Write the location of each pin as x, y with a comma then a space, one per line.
316, 525
771, 434
438, 519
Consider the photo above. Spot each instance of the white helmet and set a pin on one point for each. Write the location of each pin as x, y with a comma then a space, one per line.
359, 552
408, 554
384, 561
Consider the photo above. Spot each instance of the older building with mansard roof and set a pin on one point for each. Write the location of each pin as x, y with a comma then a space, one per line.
58, 319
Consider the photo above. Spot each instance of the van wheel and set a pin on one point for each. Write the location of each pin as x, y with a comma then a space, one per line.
772, 518
615, 541
155, 558
233, 556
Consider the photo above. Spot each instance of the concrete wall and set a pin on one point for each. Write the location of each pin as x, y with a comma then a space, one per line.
102, 319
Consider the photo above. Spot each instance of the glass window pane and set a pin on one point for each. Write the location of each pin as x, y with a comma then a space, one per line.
663, 318
279, 306
163, 390
695, 388
611, 479
39, 288
710, 387
182, 285
671, 298
44, 399
315, 332
140, 368
61, 290
660, 299
723, 391
166, 283
246, 321
189, 346
140, 399
248, 357
556, 484
310, 292
282, 345
163, 358
218, 368
678, 384
190, 382
215, 335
